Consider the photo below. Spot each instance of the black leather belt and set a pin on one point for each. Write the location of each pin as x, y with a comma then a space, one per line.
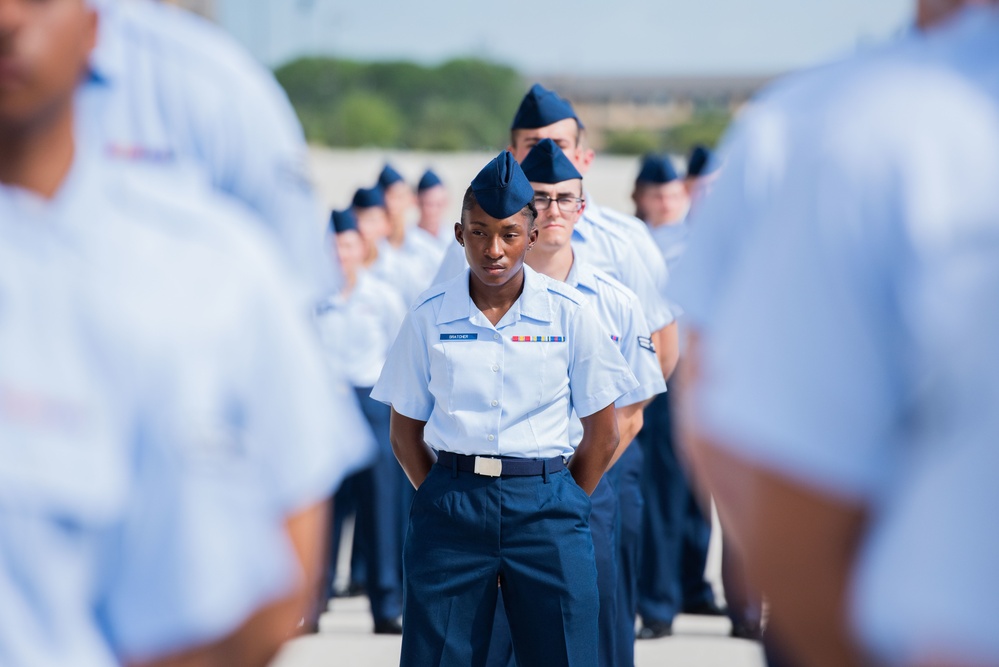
500, 466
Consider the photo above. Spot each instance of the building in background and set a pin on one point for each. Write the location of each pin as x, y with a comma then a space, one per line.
629, 114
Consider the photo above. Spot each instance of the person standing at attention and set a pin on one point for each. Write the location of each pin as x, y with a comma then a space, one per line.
482, 380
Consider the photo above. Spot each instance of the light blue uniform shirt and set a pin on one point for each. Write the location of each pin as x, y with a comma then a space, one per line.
506, 390
671, 239
410, 268
853, 344
266, 357
621, 315
453, 262
635, 231
425, 250
614, 254
130, 526
169, 88
358, 328
754, 153
602, 248
444, 236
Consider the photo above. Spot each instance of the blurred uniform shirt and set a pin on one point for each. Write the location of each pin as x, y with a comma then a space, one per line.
852, 343
358, 328
147, 451
445, 235
671, 240
410, 268
167, 87
268, 373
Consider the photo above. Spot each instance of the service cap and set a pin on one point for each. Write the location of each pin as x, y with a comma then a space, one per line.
389, 177
429, 180
540, 108
343, 221
656, 169
701, 162
368, 198
546, 163
501, 189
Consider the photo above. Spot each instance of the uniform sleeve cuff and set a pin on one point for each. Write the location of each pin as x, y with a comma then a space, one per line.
597, 402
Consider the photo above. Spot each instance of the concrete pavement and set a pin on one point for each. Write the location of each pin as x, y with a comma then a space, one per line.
346, 640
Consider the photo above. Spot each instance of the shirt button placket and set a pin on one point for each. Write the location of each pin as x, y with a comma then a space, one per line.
497, 388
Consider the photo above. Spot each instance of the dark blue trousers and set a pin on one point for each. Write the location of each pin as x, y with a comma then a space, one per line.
472, 538
375, 493
626, 476
603, 529
676, 532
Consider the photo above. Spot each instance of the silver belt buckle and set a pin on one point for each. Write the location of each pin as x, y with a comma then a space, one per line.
488, 467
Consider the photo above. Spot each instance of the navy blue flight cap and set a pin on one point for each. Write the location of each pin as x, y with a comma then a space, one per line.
546, 163
368, 198
343, 221
429, 180
389, 177
656, 169
540, 108
701, 162
501, 189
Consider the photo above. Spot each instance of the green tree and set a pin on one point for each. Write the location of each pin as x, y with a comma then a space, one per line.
703, 128
365, 119
632, 142
462, 104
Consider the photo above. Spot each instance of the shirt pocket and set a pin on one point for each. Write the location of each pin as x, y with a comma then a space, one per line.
538, 373
472, 381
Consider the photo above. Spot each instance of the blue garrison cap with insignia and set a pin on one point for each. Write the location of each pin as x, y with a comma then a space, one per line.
342, 221
701, 162
656, 169
368, 198
429, 180
546, 163
501, 189
540, 108
389, 177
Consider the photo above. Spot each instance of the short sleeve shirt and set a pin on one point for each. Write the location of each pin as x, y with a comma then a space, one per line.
357, 329
612, 253
262, 371
621, 315
852, 347
109, 498
167, 88
508, 389
635, 231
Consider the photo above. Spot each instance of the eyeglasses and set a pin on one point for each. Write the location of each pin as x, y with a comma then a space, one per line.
565, 204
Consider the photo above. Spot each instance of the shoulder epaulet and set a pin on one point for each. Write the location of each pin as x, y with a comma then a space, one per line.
565, 290
434, 291
614, 284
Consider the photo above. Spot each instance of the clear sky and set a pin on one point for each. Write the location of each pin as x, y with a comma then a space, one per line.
588, 37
